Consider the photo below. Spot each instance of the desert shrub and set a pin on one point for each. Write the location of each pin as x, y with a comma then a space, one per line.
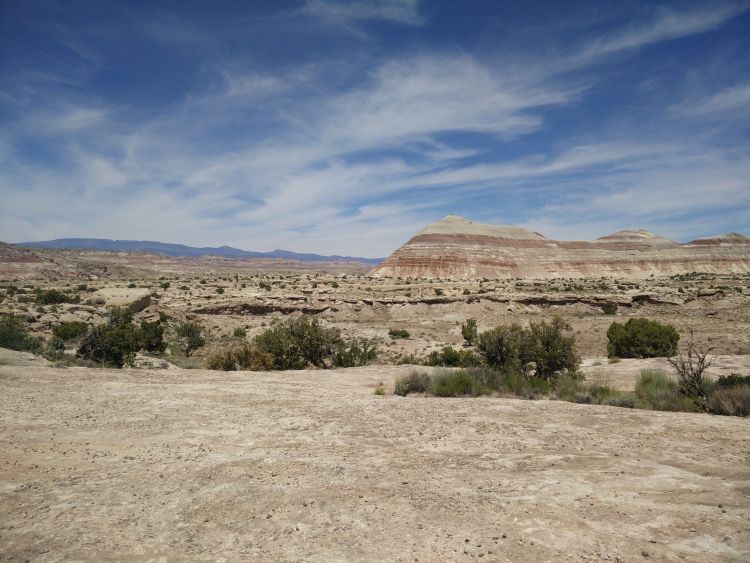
356, 353
624, 400
189, 337
164, 285
537, 387
113, 344
240, 332
415, 382
13, 335
654, 390
397, 333
403, 359
401, 388
264, 285
54, 296
151, 337
553, 352
469, 331
731, 380
486, 378
120, 316
450, 357
690, 367
506, 347
595, 394
220, 290
609, 308
567, 389
221, 361
298, 342
379, 390
55, 349
731, 400
641, 338
452, 383
243, 358
70, 330
543, 345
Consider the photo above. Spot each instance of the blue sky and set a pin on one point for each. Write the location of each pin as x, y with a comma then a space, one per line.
335, 127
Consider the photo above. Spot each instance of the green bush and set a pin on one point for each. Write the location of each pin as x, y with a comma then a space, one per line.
731, 380
401, 388
189, 337
116, 343
623, 400
641, 338
397, 333
542, 347
609, 308
732, 400
450, 357
452, 383
654, 390
53, 296
356, 353
415, 382
240, 332
13, 335
469, 331
299, 342
110, 345
55, 350
70, 330
151, 337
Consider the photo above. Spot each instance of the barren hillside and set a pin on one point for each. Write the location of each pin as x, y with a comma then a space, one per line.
460, 249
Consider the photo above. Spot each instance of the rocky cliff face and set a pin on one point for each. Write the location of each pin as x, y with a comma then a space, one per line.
457, 248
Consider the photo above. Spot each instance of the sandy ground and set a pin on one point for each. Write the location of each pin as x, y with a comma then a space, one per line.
139, 465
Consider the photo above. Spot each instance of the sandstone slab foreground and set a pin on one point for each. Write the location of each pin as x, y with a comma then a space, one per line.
311, 465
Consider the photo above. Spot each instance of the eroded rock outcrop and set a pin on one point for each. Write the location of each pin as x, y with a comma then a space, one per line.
457, 248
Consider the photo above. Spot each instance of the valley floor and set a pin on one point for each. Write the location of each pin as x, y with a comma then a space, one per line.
311, 465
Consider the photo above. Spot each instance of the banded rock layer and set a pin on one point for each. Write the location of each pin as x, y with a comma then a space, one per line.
460, 249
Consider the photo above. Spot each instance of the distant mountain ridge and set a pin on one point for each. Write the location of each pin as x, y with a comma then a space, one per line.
184, 251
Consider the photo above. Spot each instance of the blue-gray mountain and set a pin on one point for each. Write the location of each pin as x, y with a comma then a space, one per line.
181, 250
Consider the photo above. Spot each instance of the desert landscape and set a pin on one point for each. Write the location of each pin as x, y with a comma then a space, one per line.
374, 280
166, 460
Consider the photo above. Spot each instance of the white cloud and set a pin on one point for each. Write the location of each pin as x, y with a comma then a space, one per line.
735, 99
668, 25
285, 159
405, 12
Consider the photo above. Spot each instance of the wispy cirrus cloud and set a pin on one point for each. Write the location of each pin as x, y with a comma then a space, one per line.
354, 157
405, 12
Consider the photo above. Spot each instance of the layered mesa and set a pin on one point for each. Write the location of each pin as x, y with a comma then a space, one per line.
457, 248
